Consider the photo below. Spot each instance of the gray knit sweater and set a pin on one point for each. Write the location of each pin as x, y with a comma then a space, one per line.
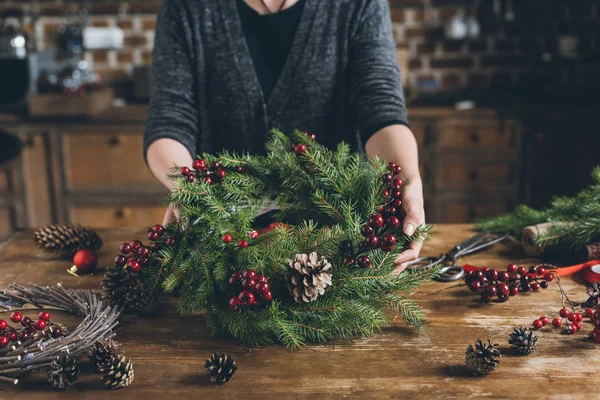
341, 79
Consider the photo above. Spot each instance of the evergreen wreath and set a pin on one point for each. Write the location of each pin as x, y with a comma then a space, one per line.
323, 273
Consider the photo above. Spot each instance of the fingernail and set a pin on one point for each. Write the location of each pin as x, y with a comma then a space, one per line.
409, 229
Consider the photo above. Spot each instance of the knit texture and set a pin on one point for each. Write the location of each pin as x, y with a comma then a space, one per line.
340, 81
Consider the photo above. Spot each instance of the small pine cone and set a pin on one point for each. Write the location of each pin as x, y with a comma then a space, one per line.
523, 340
66, 240
120, 373
103, 353
123, 288
63, 372
140, 300
482, 359
220, 368
308, 277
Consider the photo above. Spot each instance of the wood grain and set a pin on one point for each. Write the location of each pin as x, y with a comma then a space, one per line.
168, 350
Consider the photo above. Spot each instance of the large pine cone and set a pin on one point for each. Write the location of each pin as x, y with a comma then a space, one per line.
124, 289
63, 372
66, 240
482, 359
523, 340
120, 373
220, 368
103, 353
308, 277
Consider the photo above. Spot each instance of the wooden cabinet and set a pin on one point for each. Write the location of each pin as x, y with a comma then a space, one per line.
470, 163
117, 216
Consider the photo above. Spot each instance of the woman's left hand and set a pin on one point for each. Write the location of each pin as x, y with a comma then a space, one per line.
412, 204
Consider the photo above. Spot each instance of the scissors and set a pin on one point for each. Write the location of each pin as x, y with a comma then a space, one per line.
451, 272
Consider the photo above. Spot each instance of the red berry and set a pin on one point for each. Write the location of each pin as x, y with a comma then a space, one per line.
376, 221
3, 324
12, 336
349, 261
541, 271
56, 332
144, 251
397, 184
249, 284
544, 284
572, 317
532, 270
3, 341
579, 317
484, 281
190, 178
485, 270
564, 312
544, 320
266, 296
397, 203
512, 268
391, 210
503, 276
502, 297
397, 194
243, 244
185, 171
199, 164
125, 248
300, 149
397, 169
549, 276
158, 228
476, 275
249, 274
135, 245
385, 193
556, 322
589, 312
26, 321
246, 297
134, 265
262, 278
216, 165
16, 317
40, 325
253, 235
221, 173
491, 290
492, 275
241, 169
262, 287
227, 238
514, 291
393, 222
120, 260
207, 180
521, 270
364, 262
390, 240
367, 231
537, 324
44, 315
234, 303
503, 288
535, 286
235, 279
387, 177
153, 236
24, 336
391, 166
143, 261
570, 329
475, 286
372, 241
170, 241
577, 325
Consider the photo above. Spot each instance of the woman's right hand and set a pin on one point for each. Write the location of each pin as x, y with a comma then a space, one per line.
172, 215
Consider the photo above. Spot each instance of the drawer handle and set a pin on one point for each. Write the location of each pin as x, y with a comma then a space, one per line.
114, 141
474, 137
122, 213
473, 175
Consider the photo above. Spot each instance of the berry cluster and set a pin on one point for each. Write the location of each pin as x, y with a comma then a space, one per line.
29, 329
136, 255
242, 243
491, 283
594, 316
213, 173
376, 231
571, 319
301, 148
254, 290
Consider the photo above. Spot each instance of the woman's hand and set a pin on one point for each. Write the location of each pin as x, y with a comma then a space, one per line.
412, 204
172, 215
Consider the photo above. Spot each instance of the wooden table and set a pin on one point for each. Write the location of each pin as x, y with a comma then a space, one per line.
169, 350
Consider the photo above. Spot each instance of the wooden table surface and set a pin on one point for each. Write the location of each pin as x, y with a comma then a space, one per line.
168, 350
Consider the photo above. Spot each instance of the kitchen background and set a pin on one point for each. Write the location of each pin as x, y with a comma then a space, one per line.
503, 98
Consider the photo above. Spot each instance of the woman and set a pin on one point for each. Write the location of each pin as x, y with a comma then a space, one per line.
227, 71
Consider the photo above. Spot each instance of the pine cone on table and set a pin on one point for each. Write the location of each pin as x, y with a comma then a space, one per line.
63, 372
66, 240
482, 359
124, 289
220, 368
120, 374
308, 277
523, 340
103, 353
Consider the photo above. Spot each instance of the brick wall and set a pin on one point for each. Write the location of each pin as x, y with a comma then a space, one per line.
524, 52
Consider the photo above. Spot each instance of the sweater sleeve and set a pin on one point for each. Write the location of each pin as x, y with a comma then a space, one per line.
172, 112
376, 93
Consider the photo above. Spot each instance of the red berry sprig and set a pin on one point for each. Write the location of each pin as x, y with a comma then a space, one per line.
135, 255
501, 285
254, 290
29, 329
211, 173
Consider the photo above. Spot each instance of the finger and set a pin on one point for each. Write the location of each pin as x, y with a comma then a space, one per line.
169, 217
410, 254
415, 216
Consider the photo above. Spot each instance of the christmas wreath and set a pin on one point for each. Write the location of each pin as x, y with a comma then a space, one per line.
322, 273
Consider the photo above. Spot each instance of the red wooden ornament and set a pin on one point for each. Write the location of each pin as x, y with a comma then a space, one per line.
84, 261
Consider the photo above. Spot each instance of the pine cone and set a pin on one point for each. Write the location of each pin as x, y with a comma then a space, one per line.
483, 359
103, 353
66, 240
120, 373
63, 372
594, 292
308, 277
123, 287
523, 340
220, 368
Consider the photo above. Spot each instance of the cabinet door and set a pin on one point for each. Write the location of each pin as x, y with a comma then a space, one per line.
107, 162
475, 134
455, 174
129, 216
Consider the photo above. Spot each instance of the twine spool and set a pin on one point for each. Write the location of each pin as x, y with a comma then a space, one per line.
530, 234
